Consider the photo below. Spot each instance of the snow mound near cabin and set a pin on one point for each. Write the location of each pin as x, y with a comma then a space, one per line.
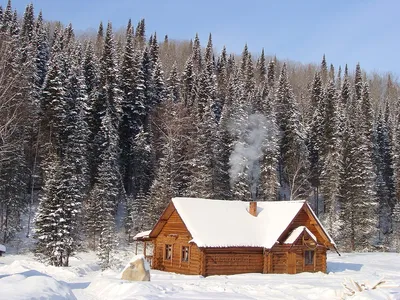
133, 259
21, 283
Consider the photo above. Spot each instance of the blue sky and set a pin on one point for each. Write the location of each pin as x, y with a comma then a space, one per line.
347, 31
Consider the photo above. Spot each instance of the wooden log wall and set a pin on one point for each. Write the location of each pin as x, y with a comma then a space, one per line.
234, 260
278, 260
174, 233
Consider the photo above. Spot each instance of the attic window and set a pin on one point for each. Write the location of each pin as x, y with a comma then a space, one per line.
168, 252
309, 257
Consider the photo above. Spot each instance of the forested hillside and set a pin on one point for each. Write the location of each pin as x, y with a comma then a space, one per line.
88, 125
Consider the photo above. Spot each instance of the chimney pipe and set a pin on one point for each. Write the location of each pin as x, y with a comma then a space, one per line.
253, 208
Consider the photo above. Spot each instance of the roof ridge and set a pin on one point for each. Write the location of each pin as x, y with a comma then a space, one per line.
244, 201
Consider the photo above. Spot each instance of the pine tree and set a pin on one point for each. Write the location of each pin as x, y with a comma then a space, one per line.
222, 189
106, 190
358, 194
196, 55
332, 161
339, 78
382, 153
108, 98
42, 51
53, 105
269, 181
141, 213
173, 85
143, 173
385, 172
261, 69
140, 34
99, 45
201, 181
188, 82
332, 73
316, 135
324, 71
271, 75
129, 125
46, 220
7, 18
222, 79
293, 161
158, 87
27, 32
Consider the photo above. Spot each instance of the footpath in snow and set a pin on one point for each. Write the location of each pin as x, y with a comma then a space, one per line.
22, 277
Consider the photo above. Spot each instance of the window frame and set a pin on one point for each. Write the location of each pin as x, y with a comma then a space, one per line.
309, 257
168, 252
185, 254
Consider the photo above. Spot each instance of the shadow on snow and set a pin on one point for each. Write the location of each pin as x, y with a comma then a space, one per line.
336, 267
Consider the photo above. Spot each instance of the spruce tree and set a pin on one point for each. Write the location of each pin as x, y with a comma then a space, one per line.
129, 123
106, 190
271, 75
385, 172
382, 153
140, 34
201, 181
173, 85
222, 79
316, 136
53, 105
331, 170
108, 98
196, 55
188, 82
324, 70
358, 193
261, 68
293, 161
99, 45
46, 221
269, 180
7, 18
223, 148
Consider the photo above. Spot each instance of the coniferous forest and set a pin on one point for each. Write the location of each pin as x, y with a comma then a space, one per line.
97, 133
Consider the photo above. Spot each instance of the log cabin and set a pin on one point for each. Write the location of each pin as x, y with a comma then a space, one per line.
220, 237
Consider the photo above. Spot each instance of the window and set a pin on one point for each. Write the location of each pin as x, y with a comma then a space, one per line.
185, 254
309, 257
168, 252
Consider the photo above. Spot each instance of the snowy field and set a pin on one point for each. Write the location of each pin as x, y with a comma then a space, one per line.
21, 277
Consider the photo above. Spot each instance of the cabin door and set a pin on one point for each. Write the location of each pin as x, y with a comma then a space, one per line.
291, 263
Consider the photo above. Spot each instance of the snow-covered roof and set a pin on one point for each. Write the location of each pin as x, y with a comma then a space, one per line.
143, 234
2, 248
294, 235
222, 223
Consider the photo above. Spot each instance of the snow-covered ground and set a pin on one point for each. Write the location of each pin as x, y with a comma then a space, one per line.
22, 277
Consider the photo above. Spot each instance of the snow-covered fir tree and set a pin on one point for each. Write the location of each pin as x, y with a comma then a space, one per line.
293, 161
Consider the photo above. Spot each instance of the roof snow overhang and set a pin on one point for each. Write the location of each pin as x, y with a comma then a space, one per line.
327, 240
